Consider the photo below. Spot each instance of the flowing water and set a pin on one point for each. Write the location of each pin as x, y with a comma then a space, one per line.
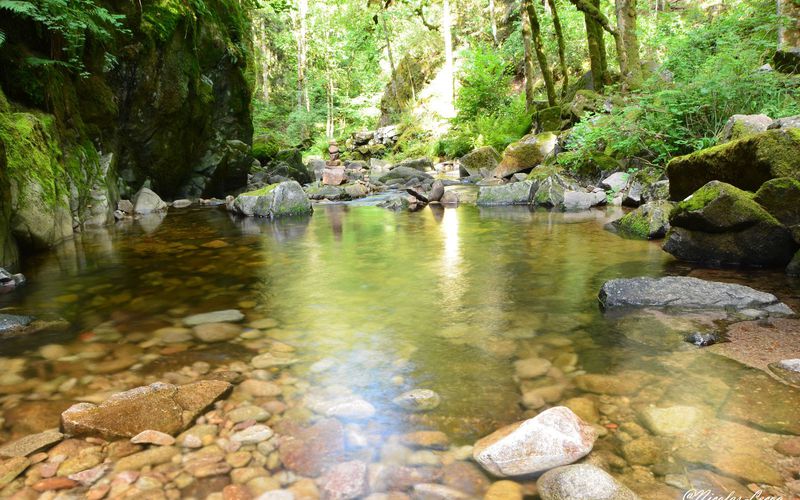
383, 302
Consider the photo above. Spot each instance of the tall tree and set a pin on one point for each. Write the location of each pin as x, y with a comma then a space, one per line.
448, 47
527, 44
538, 47
626, 26
591, 8
562, 58
301, 29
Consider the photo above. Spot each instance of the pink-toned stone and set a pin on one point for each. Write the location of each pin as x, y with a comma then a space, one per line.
90, 476
334, 176
553, 438
153, 437
345, 481
307, 451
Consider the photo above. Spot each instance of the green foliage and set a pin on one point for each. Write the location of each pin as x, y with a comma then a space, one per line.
71, 21
497, 129
714, 68
485, 84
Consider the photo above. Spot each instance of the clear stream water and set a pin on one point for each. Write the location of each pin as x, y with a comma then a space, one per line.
444, 299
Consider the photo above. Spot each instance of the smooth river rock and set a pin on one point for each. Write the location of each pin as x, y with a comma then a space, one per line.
226, 316
161, 407
683, 292
418, 400
554, 437
30, 444
581, 482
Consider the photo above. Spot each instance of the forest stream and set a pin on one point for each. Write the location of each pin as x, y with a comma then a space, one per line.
357, 305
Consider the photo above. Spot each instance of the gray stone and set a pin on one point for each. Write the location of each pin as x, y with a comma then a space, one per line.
182, 203
788, 370
581, 482
14, 322
420, 164
418, 400
682, 292
146, 202
550, 191
252, 435
671, 421
552, 438
404, 173
581, 200
225, 316
316, 166
125, 206
786, 122
616, 182
517, 193
739, 126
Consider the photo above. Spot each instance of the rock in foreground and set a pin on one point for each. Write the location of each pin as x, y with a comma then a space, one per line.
682, 292
161, 407
554, 437
578, 482
648, 222
276, 200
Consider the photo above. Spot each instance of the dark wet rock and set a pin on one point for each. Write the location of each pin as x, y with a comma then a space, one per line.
793, 269
682, 292
308, 451
554, 437
480, 162
436, 192
722, 225
10, 323
579, 482
146, 202
741, 126
701, 339
9, 282
30, 444
416, 193
788, 370
649, 222
745, 163
162, 407
525, 154
284, 199
517, 193
760, 401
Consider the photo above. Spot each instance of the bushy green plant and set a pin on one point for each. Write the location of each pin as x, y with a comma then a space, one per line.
71, 21
485, 84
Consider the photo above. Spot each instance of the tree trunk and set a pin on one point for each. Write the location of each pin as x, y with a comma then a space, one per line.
562, 58
493, 21
592, 9
626, 26
538, 47
302, 54
594, 40
528, 62
789, 29
391, 58
329, 124
448, 48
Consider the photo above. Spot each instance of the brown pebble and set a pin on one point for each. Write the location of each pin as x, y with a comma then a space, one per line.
98, 492
789, 447
55, 483
236, 492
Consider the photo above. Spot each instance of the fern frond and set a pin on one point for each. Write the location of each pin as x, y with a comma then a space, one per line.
18, 7
2, 38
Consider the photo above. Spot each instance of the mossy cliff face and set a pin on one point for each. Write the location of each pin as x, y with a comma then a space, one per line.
172, 113
183, 97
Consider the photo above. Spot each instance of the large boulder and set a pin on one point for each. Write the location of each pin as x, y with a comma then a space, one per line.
686, 293
740, 126
582, 481
515, 193
550, 190
745, 163
161, 407
581, 200
405, 173
146, 202
781, 198
527, 153
552, 438
276, 200
421, 164
723, 225
316, 167
648, 222
480, 162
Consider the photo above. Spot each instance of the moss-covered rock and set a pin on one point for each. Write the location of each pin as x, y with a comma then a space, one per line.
515, 193
273, 201
525, 154
265, 148
781, 198
481, 161
648, 222
549, 119
745, 163
722, 225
